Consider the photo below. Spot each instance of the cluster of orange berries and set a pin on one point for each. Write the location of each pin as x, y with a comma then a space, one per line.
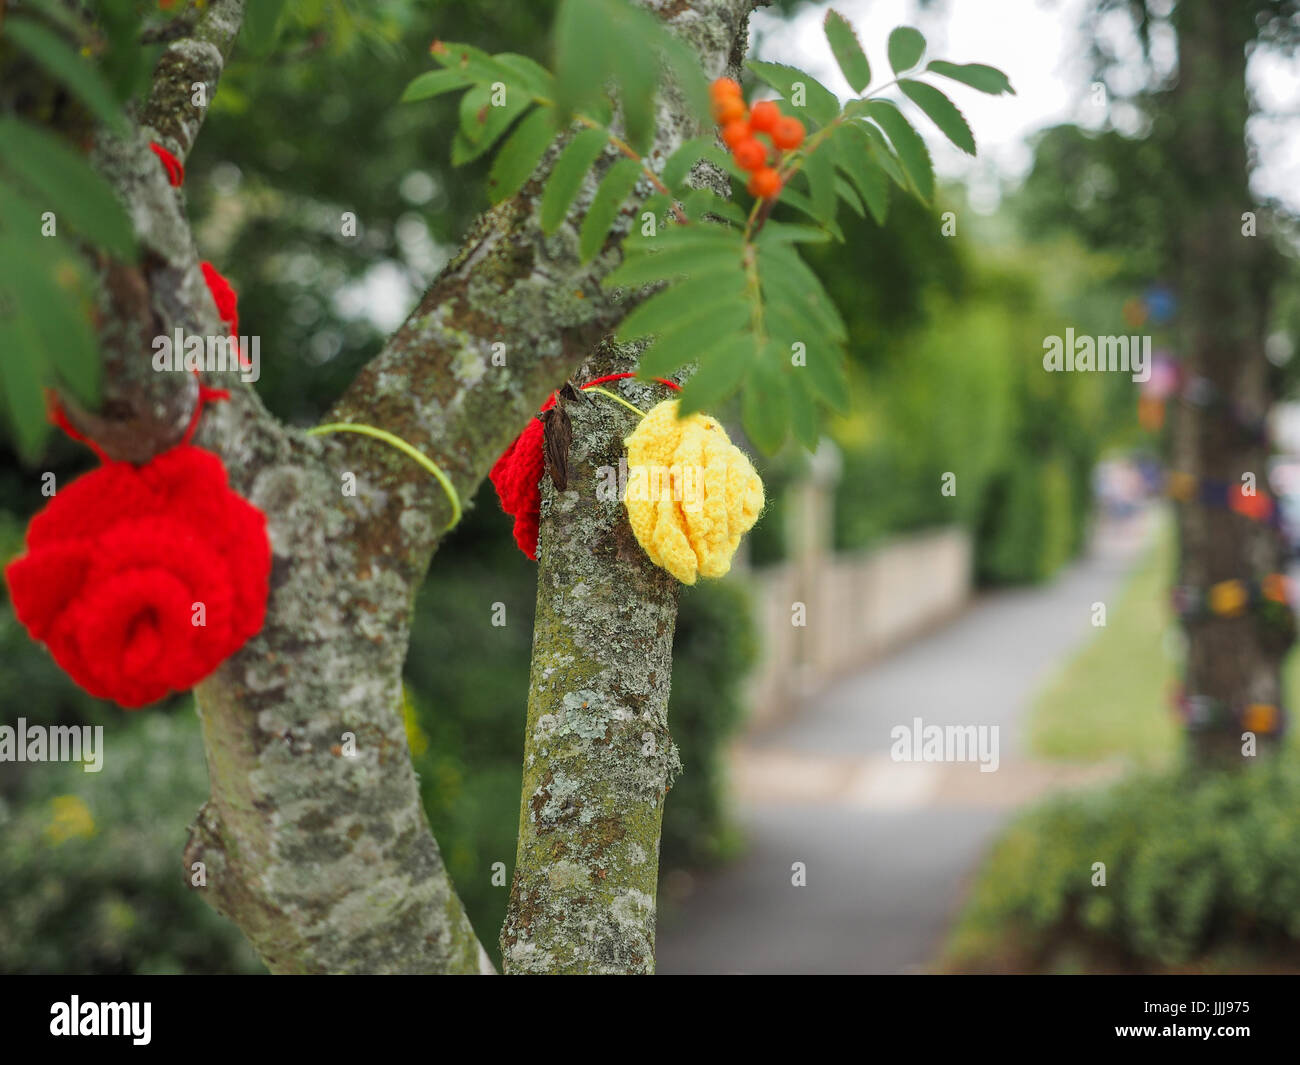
739, 126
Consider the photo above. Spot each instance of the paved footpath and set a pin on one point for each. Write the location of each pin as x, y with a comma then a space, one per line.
888, 846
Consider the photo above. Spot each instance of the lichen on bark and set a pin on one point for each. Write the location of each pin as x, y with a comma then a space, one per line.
598, 758
324, 859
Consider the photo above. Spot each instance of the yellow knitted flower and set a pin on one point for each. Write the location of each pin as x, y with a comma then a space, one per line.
691, 493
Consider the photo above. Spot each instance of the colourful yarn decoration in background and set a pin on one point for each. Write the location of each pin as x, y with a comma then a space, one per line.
120, 561
1200, 712
517, 474
706, 497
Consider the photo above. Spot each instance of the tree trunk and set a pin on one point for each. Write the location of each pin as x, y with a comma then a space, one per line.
314, 841
1233, 663
598, 759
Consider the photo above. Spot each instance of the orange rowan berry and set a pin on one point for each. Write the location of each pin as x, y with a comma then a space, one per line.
729, 109
765, 184
735, 133
764, 116
750, 154
723, 88
787, 133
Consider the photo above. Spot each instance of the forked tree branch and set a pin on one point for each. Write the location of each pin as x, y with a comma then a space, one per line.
323, 859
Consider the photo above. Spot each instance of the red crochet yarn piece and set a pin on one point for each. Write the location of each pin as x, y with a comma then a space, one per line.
517, 474
224, 296
119, 560
175, 169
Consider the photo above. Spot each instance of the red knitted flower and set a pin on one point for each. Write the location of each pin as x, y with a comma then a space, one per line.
517, 474
119, 562
224, 297
175, 169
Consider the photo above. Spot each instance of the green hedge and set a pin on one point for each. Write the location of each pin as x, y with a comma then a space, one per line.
91, 874
1028, 528
1202, 869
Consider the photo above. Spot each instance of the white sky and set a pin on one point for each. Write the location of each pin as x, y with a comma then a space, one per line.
1039, 45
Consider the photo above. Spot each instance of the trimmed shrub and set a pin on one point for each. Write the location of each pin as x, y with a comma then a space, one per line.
1202, 868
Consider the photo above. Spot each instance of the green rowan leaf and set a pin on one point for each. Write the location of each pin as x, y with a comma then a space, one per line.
977, 75
818, 102
566, 176
473, 63
56, 178
679, 165
859, 164
791, 197
884, 155
692, 338
912, 152
701, 202
705, 236
689, 261
765, 407
78, 76
803, 410
613, 189
434, 83
847, 51
820, 170
787, 281
680, 306
941, 111
906, 46
722, 367
789, 233
520, 154
530, 74
849, 195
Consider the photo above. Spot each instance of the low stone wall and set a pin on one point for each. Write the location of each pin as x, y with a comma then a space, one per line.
854, 607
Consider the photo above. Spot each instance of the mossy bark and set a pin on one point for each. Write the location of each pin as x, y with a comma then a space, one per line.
314, 840
598, 758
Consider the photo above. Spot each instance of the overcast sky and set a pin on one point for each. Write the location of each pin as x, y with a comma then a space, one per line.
1039, 45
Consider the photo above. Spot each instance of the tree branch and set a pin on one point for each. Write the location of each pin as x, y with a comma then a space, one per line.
143, 412
314, 840
598, 759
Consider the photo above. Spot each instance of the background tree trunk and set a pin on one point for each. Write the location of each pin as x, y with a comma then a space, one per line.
1223, 287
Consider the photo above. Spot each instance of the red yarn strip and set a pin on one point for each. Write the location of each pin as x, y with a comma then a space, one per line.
620, 376
61, 420
175, 169
206, 395
519, 470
